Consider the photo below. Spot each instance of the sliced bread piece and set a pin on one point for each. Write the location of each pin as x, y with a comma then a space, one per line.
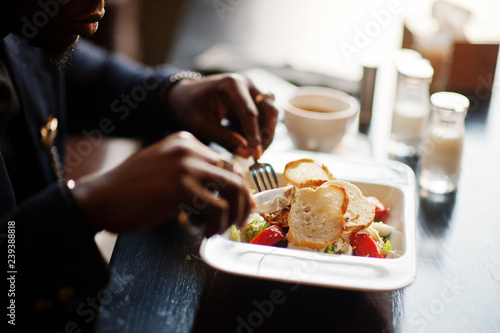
360, 212
306, 173
316, 218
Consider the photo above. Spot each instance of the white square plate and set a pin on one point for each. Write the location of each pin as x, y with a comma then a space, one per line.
392, 182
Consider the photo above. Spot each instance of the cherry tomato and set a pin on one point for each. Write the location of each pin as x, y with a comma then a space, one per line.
367, 247
270, 236
380, 208
352, 236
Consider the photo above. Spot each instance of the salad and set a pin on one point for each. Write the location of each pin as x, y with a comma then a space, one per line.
350, 224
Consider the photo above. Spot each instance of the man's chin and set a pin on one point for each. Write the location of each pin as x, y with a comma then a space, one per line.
60, 58
59, 53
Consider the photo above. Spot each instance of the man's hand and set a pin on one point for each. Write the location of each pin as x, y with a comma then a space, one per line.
176, 174
200, 106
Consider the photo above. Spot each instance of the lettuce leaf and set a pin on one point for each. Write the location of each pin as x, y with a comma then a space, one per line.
387, 246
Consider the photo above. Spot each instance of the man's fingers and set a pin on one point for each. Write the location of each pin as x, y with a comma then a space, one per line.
215, 198
237, 97
205, 212
267, 116
229, 139
268, 119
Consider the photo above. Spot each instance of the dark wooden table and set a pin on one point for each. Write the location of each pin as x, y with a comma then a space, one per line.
160, 284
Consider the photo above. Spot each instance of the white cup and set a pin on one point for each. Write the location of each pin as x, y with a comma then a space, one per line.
317, 118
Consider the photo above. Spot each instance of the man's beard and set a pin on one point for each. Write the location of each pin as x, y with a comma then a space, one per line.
60, 58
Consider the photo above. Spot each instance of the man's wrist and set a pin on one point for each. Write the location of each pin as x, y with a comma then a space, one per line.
166, 92
176, 78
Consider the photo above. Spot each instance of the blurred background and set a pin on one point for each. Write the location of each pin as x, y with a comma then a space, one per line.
331, 37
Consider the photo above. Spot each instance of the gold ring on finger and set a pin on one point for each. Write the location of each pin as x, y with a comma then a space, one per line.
224, 164
260, 97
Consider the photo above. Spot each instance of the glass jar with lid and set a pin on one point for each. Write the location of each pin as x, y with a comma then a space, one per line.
442, 144
411, 108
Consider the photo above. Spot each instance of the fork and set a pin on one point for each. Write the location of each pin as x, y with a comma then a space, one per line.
262, 172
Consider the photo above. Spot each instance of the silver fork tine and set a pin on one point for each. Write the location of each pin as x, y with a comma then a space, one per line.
255, 179
260, 172
276, 182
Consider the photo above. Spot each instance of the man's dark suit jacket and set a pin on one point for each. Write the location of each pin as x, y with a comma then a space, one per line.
57, 269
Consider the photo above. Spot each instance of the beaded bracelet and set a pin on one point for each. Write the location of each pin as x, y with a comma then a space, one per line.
185, 75
175, 78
